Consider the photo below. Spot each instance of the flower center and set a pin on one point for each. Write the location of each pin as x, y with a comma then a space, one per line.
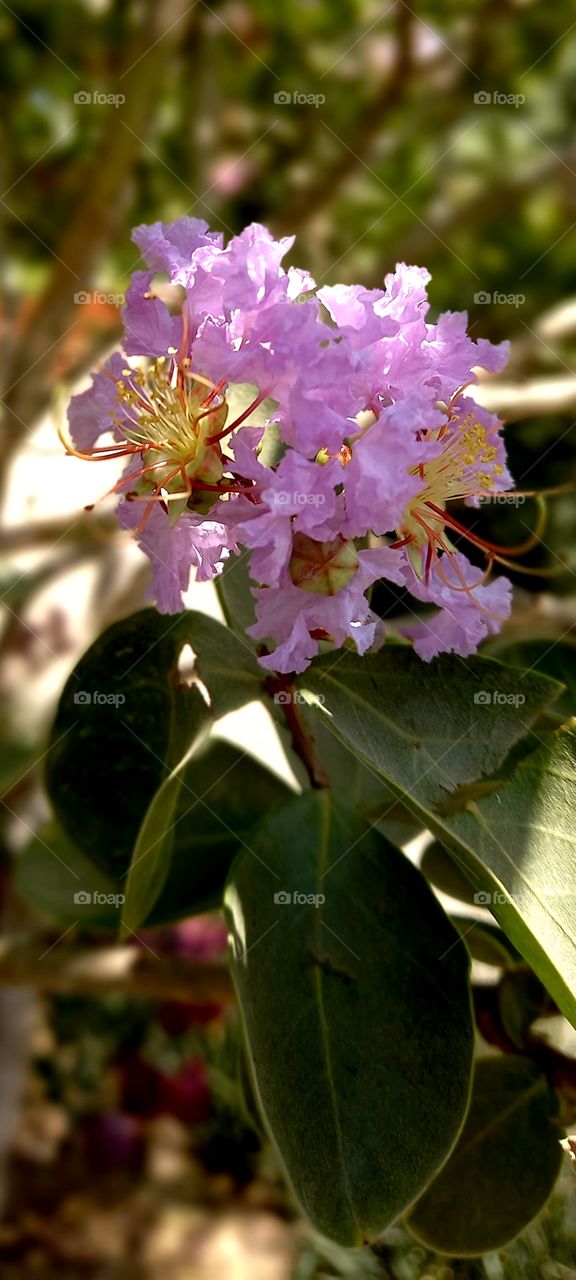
174, 415
172, 421
465, 467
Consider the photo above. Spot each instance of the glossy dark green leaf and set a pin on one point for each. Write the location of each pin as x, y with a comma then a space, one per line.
486, 941
115, 736
353, 989
504, 1165
223, 793
65, 885
427, 727
445, 874
107, 759
235, 587
550, 657
359, 786
524, 838
521, 1000
421, 728
225, 663
152, 854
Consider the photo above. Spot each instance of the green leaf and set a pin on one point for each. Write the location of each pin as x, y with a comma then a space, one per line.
516, 844
550, 657
107, 758
524, 837
63, 884
223, 793
421, 724
521, 1000
364, 789
445, 874
486, 941
503, 1168
152, 853
356, 1009
234, 587
226, 664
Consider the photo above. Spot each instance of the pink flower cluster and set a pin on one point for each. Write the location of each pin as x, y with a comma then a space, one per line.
349, 436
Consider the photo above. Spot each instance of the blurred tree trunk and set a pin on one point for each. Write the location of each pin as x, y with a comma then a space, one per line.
107, 188
17, 1008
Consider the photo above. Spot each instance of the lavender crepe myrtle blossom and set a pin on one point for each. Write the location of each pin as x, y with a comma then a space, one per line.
374, 438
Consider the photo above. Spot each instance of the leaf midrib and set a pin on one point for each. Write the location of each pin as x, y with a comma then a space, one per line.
318, 976
463, 1154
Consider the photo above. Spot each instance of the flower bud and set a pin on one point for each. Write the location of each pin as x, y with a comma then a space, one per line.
322, 567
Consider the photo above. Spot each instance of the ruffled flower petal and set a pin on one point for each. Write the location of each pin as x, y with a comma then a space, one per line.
150, 328
94, 412
369, 436
465, 617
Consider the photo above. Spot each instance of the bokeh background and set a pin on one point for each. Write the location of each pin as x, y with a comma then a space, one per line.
376, 132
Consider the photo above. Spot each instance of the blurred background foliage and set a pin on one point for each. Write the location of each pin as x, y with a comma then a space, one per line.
439, 133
